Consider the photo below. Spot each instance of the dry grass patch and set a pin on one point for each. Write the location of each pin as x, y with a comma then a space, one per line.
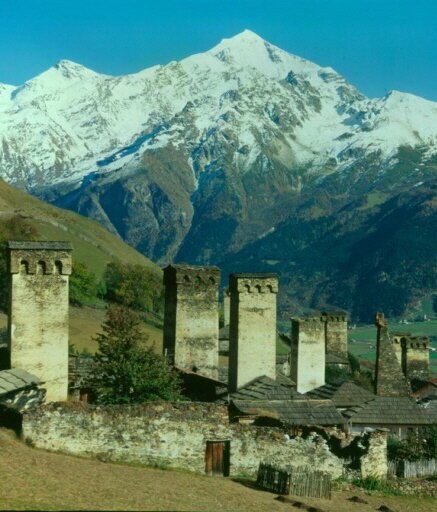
39, 480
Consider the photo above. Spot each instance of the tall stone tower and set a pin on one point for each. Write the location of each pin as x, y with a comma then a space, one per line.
38, 317
415, 357
336, 334
252, 328
191, 318
389, 379
307, 355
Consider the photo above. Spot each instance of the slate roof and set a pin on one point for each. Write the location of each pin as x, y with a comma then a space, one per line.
16, 379
430, 409
265, 388
42, 245
292, 412
335, 359
388, 410
343, 393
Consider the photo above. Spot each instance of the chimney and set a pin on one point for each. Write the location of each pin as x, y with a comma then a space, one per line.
191, 318
307, 355
389, 379
252, 329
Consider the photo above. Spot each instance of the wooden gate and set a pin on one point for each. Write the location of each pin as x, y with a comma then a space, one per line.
217, 458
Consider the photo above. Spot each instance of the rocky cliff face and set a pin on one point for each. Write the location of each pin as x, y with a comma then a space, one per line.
242, 150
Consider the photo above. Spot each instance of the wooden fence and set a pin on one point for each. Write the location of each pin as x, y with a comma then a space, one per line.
412, 469
296, 481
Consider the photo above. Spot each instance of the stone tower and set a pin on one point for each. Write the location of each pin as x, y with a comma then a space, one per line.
336, 334
191, 318
252, 328
307, 355
38, 317
226, 306
398, 343
415, 357
389, 379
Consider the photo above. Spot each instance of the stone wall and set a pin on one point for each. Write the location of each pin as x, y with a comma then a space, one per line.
169, 435
307, 355
191, 318
252, 329
38, 319
336, 334
374, 462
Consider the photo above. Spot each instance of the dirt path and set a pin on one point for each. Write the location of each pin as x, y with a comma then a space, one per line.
39, 480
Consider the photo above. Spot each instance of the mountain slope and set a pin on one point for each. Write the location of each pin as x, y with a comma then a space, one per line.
217, 156
92, 244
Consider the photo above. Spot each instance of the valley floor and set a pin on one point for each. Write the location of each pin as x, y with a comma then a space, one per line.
32, 479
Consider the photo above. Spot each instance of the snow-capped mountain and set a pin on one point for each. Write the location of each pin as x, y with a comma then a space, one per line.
200, 158
70, 121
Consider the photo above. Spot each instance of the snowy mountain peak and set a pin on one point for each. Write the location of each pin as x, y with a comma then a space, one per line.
70, 121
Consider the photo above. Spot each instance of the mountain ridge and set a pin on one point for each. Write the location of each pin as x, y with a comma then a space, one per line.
198, 159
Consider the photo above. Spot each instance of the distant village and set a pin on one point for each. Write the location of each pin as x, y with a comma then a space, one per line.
243, 404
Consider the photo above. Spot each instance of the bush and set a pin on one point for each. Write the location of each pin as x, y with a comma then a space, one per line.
371, 483
420, 444
125, 372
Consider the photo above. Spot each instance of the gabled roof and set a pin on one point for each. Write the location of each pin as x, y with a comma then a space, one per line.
16, 379
265, 388
388, 410
343, 393
430, 409
298, 412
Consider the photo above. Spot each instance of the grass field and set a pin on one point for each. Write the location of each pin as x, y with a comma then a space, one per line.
85, 324
362, 340
32, 479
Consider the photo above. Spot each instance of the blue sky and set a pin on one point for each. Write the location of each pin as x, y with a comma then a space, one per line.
377, 45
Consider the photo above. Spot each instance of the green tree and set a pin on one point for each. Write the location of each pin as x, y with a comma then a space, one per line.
126, 372
13, 228
83, 285
133, 286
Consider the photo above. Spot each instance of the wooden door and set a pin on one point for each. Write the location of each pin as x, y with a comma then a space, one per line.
217, 458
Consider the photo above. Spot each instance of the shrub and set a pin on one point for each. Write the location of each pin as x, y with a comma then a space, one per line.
83, 285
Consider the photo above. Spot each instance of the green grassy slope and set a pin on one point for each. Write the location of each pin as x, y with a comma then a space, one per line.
93, 245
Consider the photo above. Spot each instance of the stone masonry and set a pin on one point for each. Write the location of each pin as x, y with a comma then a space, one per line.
336, 334
374, 462
415, 357
191, 318
390, 381
252, 330
38, 319
169, 435
226, 306
307, 354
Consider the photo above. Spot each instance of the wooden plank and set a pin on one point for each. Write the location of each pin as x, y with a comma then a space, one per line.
208, 458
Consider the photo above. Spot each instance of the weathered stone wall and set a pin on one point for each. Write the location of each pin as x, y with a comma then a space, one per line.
336, 334
226, 306
397, 341
169, 435
252, 329
38, 320
374, 462
307, 356
390, 380
415, 357
191, 319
